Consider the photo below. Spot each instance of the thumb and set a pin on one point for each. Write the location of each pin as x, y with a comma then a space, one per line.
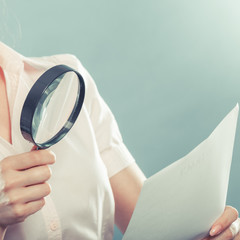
229, 215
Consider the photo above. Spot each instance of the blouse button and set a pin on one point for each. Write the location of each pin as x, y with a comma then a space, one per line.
53, 226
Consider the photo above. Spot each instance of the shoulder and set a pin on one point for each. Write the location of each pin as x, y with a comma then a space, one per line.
49, 61
39, 65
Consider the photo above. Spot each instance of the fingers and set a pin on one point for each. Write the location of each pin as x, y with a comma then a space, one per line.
32, 176
33, 207
28, 160
36, 175
226, 235
229, 215
23, 185
231, 233
21, 211
28, 194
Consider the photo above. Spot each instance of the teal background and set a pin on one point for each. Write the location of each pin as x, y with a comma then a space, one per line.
168, 69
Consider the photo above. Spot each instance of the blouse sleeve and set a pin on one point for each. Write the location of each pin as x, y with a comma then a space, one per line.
113, 151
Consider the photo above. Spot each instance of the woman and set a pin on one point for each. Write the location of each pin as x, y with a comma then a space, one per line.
92, 173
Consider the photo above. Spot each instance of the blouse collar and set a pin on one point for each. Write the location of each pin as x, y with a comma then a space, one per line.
10, 60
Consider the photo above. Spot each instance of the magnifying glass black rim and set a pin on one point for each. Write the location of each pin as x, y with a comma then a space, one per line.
35, 95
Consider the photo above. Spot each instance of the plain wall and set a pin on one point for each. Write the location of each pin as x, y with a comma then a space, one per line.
168, 69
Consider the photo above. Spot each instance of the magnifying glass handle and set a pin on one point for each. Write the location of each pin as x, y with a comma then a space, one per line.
34, 148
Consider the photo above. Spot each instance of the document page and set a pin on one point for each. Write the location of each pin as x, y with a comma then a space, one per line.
182, 201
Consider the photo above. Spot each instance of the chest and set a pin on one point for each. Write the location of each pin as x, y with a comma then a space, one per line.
81, 194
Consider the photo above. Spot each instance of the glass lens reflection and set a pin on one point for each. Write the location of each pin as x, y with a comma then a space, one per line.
55, 107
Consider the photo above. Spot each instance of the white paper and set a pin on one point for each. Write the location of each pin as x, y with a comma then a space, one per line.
182, 201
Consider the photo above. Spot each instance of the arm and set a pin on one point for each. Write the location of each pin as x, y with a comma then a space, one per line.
126, 186
127, 183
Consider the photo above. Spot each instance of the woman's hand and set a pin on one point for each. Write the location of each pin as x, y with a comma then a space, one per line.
226, 227
23, 185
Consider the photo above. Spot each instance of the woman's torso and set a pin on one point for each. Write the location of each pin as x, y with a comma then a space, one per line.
81, 204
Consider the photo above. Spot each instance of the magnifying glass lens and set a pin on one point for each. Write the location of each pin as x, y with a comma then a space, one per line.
55, 107
52, 106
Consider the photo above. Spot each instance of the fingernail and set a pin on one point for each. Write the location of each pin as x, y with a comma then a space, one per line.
215, 230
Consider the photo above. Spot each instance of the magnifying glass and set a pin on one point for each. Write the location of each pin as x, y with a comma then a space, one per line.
52, 106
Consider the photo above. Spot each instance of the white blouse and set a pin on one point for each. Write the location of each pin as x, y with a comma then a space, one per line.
81, 204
